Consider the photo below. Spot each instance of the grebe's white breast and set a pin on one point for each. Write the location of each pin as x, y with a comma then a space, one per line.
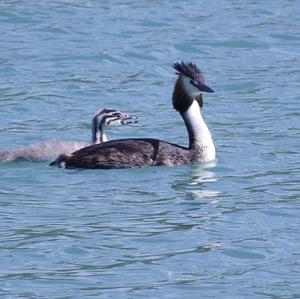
202, 135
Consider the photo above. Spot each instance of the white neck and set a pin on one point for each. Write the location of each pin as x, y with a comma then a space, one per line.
199, 135
103, 137
98, 135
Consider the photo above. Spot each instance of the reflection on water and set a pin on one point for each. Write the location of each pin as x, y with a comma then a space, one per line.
196, 182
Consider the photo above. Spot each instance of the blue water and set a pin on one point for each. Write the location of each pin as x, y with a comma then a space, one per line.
224, 230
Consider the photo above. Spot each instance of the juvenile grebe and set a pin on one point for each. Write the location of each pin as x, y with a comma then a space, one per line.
125, 153
50, 149
108, 117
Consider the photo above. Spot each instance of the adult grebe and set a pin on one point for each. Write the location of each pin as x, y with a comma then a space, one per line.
125, 153
50, 149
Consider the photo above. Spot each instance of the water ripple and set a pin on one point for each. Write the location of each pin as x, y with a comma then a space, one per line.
225, 230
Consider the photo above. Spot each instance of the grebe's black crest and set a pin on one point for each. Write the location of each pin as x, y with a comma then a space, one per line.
191, 70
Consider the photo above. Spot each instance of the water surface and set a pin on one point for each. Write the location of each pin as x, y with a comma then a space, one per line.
224, 230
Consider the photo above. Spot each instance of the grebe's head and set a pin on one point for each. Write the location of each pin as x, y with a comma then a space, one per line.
189, 86
112, 117
193, 78
108, 117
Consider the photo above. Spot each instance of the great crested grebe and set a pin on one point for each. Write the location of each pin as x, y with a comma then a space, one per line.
108, 117
140, 152
50, 149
